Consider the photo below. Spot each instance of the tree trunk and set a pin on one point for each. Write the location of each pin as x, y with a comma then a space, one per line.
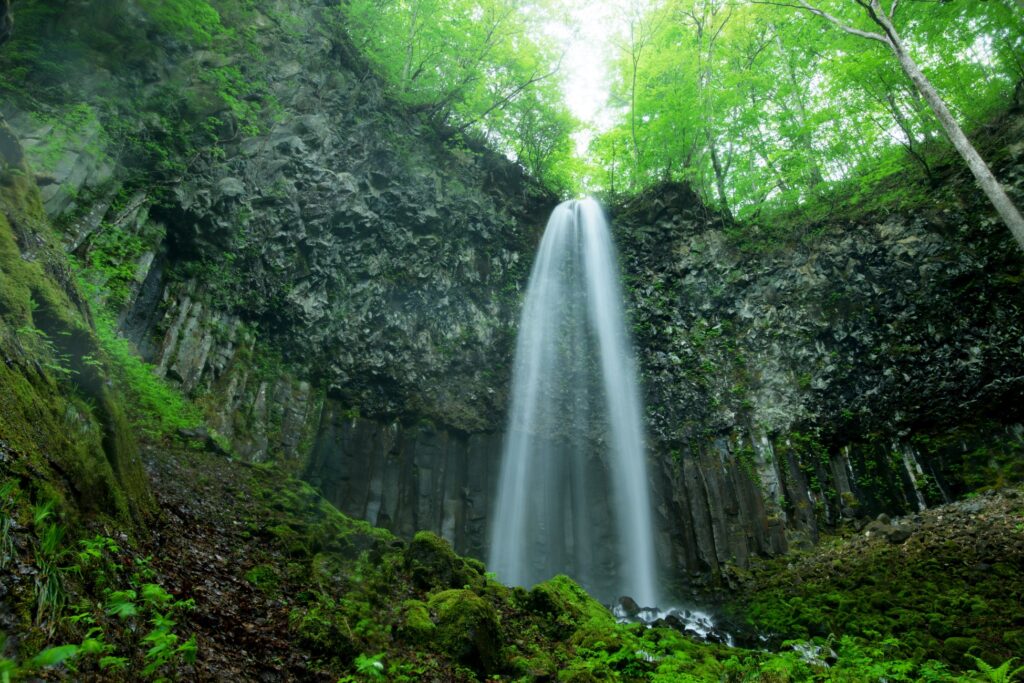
632, 124
6, 21
719, 177
989, 184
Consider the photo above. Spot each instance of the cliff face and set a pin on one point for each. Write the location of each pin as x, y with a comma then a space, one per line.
865, 366
231, 190
337, 285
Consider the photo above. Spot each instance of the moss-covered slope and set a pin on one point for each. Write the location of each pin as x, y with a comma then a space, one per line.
61, 421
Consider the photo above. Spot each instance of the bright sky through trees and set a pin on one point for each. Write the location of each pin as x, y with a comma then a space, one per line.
587, 37
755, 104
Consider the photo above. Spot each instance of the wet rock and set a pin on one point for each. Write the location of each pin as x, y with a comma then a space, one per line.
10, 148
203, 436
627, 607
898, 534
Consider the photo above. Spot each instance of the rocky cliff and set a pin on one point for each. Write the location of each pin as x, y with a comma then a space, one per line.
336, 281
796, 382
226, 188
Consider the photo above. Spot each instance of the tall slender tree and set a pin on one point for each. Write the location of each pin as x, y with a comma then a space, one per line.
890, 37
6, 21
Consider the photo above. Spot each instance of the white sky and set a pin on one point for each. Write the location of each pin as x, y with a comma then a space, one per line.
588, 39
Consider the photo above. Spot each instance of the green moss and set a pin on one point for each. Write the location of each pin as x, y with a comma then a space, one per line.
69, 411
291, 541
467, 628
193, 21
930, 598
263, 577
564, 599
417, 626
323, 631
435, 565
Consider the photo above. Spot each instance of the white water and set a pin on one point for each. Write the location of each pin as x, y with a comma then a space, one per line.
695, 621
573, 493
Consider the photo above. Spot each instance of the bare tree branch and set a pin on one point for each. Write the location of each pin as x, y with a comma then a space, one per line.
514, 93
825, 15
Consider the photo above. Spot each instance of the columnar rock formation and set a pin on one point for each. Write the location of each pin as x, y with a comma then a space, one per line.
338, 287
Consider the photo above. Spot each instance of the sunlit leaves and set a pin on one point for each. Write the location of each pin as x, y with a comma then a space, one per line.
790, 105
480, 66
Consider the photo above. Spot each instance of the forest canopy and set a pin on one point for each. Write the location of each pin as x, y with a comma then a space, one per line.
754, 103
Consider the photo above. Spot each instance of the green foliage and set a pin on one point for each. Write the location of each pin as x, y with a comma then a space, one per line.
75, 127
1004, 673
372, 667
50, 555
474, 67
773, 114
194, 21
232, 86
156, 407
131, 599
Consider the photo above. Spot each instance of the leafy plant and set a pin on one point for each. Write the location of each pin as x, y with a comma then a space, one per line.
1000, 674
50, 555
371, 666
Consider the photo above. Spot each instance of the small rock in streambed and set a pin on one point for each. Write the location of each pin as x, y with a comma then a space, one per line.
626, 607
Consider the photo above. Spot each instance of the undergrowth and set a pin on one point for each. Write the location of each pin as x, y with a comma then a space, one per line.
100, 603
155, 406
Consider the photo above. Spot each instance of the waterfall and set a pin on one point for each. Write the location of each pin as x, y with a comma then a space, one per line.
573, 490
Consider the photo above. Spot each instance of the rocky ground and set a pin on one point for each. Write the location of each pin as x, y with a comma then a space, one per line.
946, 583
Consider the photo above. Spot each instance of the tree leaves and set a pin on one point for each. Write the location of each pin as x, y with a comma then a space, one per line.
483, 67
760, 104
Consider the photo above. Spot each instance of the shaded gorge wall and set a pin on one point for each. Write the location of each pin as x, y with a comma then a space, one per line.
336, 282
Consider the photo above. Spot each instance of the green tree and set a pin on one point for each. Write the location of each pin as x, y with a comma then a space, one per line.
480, 66
887, 34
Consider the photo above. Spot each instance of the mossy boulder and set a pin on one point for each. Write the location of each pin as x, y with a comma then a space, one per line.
563, 599
322, 632
466, 629
434, 565
416, 624
264, 578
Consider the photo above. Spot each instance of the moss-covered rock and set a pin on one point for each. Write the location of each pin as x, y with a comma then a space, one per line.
959, 649
564, 599
58, 406
467, 629
264, 578
417, 626
434, 565
323, 631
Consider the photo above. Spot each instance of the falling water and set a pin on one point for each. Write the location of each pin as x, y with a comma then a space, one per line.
573, 490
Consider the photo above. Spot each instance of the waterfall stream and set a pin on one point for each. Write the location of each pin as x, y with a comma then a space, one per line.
573, 490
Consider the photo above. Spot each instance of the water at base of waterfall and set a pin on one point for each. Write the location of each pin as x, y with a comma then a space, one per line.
573, 489
695, 623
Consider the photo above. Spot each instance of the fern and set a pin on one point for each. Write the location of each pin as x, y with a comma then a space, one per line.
998, 674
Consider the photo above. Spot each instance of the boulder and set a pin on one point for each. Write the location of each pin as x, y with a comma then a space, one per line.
467, 629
